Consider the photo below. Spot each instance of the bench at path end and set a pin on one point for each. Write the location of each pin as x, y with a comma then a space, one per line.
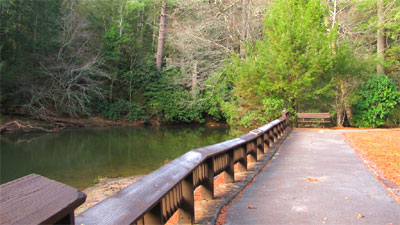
34, 199
313, 118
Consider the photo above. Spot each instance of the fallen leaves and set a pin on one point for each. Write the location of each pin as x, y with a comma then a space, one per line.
359, 216
311, 179
382, 148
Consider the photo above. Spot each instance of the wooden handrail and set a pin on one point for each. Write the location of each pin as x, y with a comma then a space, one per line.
156, 197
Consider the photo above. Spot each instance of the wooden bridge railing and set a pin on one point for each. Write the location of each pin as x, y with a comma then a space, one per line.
156, 197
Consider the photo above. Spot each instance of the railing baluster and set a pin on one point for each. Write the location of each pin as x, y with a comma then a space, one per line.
243, 161
249, 147
259, 146
207, 190
186, 212
275, 132
230, 170
265, 142
270, 138
154, 216
163, 208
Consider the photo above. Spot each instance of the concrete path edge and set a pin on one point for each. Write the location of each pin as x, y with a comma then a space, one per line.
253, 175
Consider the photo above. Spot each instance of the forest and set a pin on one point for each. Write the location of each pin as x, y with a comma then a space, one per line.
188, 61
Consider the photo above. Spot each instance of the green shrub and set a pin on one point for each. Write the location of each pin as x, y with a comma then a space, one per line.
170, 102
378, 98
122, 109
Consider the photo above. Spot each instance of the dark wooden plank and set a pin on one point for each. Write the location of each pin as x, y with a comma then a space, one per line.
313, 115
34, 199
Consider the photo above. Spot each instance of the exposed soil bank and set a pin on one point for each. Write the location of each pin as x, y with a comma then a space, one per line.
24, 124
104, 189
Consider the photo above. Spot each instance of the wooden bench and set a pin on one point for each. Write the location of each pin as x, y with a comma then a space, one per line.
313, 118
34, 199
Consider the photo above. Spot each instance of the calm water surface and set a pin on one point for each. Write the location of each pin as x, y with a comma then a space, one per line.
78, 157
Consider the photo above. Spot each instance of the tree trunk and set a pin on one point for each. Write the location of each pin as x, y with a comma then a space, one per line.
35, 27
340, 105
121, 19
161, 36
194, 78
244, 29
111, 89
380, 38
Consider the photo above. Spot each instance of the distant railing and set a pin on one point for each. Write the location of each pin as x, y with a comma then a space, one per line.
156, 197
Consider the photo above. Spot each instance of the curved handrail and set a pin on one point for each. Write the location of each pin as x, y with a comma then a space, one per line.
158, 195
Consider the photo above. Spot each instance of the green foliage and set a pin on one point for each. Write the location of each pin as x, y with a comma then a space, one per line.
217, 95
121, 109
378, 98
171, 103
29, 29
287, 67
301, 64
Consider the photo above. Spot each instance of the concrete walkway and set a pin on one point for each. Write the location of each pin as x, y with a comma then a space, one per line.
316, 178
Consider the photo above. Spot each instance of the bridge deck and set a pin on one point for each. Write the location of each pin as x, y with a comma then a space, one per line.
316, 178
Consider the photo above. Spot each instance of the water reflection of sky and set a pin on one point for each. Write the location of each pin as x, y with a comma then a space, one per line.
78, 157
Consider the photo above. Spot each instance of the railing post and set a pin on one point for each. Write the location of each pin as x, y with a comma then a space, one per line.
275, 134
243, 161
249, 147
266, 142
186, 212
280, 130
277, 131
271, 137
154, 216
207, 189
230, 171
285, 114
260, 146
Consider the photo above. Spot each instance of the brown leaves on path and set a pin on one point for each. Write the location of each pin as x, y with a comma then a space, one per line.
382, 148
359, 216
311, 179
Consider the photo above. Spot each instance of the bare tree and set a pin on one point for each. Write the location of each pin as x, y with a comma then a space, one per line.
244, 31
203, 35
381, 46
72, 77
161, 35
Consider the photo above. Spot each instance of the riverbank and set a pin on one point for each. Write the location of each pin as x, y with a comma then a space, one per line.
25, 124
105, 188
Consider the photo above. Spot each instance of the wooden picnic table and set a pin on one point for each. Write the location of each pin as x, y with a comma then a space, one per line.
34, 199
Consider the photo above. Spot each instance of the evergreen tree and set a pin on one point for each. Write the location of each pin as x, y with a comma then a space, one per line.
288, 68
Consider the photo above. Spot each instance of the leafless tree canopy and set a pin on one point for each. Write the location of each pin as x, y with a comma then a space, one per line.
71, 78
203, 35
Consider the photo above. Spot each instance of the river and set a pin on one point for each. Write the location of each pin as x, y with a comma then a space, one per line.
80, 157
